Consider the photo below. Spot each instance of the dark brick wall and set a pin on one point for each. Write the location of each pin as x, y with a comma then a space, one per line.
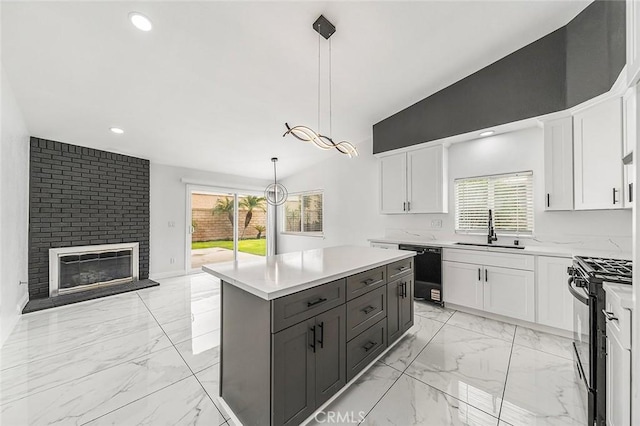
81, 196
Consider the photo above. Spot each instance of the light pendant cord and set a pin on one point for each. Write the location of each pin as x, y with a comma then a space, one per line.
319, 78
330, 103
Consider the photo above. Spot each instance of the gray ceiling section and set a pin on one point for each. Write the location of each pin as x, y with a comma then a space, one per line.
571, 65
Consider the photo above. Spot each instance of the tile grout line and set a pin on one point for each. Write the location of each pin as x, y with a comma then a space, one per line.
506, 378
402, 372
185, 361
446, 393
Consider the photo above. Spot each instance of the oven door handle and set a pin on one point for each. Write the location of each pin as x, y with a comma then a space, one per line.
575, 293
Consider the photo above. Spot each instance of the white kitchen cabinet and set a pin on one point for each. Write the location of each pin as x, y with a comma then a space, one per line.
618, 382
393, 183
488, 285
629, 137
427, 182
598, 172
414, 181
633, 41
554, 302
558, 164
509, 292
463, 284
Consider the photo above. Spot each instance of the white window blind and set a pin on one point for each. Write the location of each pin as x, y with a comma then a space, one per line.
509, 197
303, 213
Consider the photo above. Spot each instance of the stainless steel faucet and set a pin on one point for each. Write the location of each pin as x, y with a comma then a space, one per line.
492, 232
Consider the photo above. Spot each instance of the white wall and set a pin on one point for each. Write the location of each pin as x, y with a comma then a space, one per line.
352, 199
14, 205
167, 204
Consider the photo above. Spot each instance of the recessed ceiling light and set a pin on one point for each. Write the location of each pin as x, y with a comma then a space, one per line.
487, 133
140, 21
116, 130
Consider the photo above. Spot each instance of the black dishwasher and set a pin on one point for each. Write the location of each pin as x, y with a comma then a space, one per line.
428, 273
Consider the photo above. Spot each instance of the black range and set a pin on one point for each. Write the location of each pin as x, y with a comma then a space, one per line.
589, 325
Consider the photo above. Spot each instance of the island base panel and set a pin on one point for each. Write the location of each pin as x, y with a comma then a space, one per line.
245, 372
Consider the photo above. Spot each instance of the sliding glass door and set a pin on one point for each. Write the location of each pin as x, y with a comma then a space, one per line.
225, 226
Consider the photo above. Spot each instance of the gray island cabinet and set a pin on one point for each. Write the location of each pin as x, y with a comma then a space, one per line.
297, 327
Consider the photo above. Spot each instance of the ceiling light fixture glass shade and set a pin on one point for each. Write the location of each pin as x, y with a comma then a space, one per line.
276, 193
325, 29
116, 130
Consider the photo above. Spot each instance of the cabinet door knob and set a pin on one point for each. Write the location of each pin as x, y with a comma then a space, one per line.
548, 200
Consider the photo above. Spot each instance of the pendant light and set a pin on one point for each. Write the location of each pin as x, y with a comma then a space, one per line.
276, 193
306, 134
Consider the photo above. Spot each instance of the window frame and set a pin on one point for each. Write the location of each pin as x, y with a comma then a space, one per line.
301, 194
521, 234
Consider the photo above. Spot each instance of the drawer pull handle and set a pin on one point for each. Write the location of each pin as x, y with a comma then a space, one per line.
315, 302
368, 309
369, 346
402, 268
609, 316
369, 281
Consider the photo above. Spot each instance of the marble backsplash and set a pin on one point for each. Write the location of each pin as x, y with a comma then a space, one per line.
613, 243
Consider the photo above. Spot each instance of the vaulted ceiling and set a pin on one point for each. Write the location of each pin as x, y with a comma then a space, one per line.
211, 86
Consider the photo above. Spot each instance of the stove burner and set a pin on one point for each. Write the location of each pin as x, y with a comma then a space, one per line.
613, 270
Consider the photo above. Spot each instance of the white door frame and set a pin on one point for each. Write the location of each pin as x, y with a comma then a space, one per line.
206, 189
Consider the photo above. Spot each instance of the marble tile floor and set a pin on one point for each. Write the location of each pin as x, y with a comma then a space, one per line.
151, 357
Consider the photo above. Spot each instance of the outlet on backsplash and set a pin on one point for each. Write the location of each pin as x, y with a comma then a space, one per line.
436, 223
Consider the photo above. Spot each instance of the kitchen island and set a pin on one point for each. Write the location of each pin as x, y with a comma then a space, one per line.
297, 327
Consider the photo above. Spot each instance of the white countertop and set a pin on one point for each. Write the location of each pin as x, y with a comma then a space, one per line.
276, 276
622, 292
555, 251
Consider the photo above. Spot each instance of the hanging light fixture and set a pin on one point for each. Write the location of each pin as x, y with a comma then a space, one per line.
325, 29
276, 193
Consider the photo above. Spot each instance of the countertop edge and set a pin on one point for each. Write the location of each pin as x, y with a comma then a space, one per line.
306, 285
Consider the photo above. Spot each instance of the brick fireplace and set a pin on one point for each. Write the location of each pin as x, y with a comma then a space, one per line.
84, 197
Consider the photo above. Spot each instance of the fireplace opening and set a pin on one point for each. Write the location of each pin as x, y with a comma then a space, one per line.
82, 268
94, 268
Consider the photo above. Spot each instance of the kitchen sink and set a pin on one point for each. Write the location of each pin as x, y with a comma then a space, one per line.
490, 245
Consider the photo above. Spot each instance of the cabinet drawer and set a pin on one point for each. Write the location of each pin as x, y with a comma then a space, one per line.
289, 310
366, 281
501, 260
621, 325
399, 268
364, 311
365, 348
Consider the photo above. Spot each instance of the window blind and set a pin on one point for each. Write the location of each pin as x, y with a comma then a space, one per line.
509, 196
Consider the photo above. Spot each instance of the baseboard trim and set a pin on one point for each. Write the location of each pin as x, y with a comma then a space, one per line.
535, 326
169, 274
22, 303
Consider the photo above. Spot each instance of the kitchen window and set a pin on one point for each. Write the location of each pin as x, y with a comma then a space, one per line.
303, 214
508, 196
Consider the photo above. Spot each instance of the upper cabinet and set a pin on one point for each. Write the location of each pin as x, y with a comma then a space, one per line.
633, 41
598, 172
414, 181
558, 164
